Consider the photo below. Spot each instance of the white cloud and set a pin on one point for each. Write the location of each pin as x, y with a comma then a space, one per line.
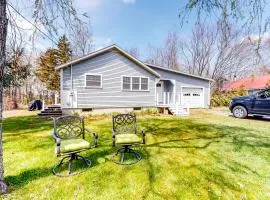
129, 1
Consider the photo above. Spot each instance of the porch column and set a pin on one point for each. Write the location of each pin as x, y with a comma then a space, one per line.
164, 97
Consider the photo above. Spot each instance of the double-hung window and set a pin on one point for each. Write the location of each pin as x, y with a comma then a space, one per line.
126, 83
93, 81
135, 83
144, 83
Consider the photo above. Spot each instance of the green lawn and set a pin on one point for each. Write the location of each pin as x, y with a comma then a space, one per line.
205, 156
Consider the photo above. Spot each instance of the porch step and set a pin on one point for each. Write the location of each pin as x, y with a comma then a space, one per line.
54, 107
178, 110
51, 111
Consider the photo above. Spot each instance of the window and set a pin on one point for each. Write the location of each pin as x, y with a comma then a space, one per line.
93, 81
135, 83
144, 83
126, 83
264, 95
267, 93
186, 94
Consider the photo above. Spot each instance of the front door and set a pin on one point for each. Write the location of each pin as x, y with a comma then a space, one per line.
160, 92
261, 104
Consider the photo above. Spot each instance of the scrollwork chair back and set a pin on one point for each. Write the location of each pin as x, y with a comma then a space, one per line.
124, 123
68, 127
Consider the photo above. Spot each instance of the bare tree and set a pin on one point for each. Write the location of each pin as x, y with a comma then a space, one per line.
250, 15
208, 54
197, 52
155, 55
3, 35
81, 39
134, 52
170, 55
53, 15
167, 55
228, 11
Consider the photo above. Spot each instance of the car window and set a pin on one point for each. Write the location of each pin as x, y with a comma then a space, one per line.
264, 95
267, 93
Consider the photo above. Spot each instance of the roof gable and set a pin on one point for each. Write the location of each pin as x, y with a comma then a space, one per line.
177, 72
106, 49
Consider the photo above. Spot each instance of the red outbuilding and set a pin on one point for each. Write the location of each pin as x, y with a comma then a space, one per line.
252, 84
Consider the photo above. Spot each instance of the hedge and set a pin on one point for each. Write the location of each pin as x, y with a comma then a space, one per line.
221, 98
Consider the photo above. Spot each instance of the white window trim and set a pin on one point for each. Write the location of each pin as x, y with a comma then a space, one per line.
94, 87
130, 89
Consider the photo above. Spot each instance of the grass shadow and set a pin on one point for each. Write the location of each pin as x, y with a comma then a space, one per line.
162, 134
26, 176
27, 124
186, 130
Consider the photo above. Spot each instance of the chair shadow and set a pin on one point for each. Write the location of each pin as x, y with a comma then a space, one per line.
22, 179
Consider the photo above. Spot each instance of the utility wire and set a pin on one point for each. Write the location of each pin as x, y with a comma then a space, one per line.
46, 35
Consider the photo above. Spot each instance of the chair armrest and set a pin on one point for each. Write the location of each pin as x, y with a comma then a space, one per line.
139, 129
113, 138
58, 143
95, 135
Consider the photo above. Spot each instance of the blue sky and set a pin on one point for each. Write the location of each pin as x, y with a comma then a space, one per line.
133, 23
128, 23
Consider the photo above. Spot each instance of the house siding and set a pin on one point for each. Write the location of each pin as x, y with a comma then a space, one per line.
66, 78
187, 81
112, 66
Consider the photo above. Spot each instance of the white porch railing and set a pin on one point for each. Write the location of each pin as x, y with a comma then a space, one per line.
166, 98
173, 102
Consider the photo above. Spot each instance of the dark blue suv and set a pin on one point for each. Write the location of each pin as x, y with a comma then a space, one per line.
257, 104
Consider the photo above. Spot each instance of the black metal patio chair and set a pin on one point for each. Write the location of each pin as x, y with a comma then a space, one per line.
69, 135
126, 133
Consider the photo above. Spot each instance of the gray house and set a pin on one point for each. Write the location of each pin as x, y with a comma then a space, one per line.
111, 78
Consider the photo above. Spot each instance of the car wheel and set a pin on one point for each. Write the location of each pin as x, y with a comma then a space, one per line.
240, 112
